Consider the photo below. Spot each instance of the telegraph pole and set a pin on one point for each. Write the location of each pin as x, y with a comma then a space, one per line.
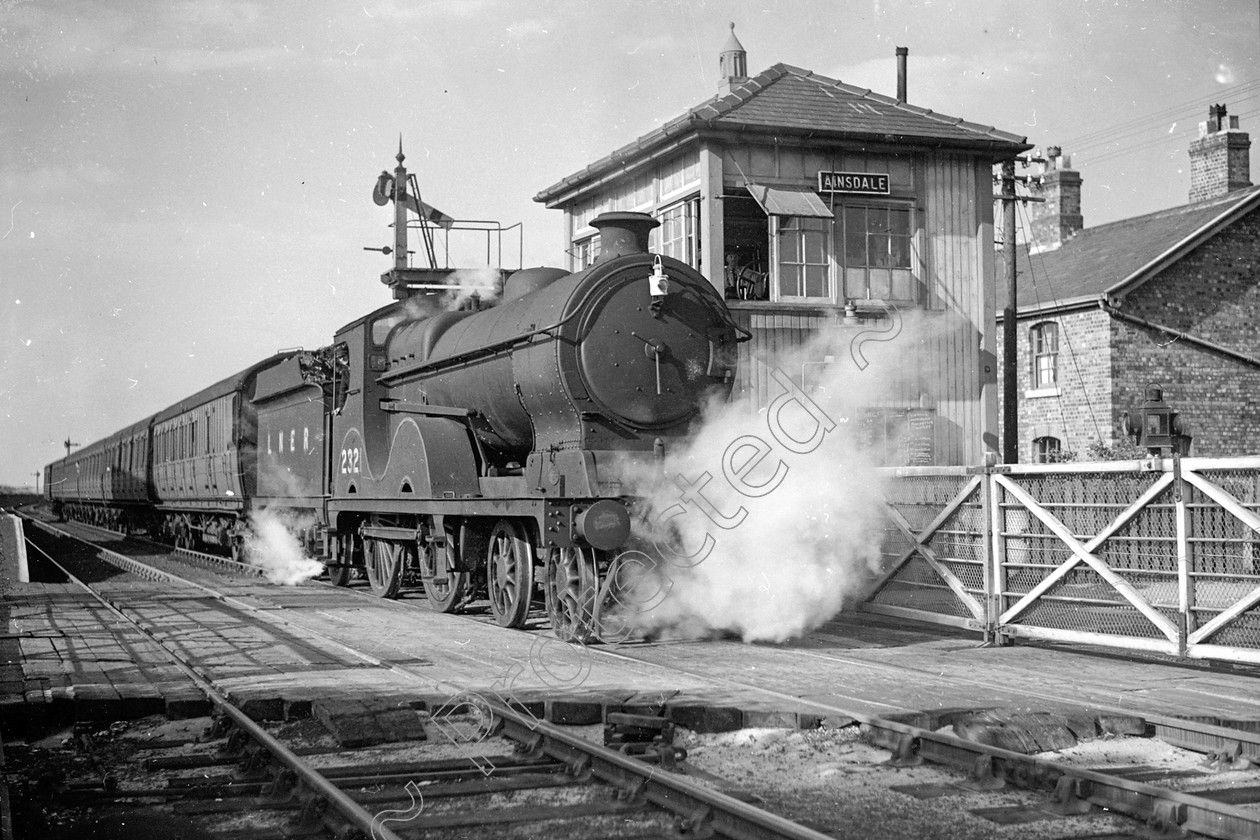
1010, 349
1010, 340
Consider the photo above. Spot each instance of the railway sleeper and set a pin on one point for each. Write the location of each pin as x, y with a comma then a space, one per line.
1167, 820
1071, 796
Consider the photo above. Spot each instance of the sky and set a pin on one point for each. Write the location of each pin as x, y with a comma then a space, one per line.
188, 184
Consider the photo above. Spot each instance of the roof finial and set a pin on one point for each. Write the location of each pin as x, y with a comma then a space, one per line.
732, 64
400, 156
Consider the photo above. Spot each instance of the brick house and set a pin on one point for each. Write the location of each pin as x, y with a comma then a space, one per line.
1170, 298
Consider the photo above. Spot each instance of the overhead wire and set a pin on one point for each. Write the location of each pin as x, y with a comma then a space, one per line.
1036, 294
1114, 136
1129, 148
1145, 122
1026, 224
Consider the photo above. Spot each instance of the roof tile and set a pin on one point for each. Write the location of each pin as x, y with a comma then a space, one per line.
786, 98
1110, 257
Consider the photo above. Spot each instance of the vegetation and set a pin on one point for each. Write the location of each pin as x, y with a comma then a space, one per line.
1124, 450
14, 496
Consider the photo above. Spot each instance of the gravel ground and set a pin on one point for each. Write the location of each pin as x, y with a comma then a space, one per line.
832, 779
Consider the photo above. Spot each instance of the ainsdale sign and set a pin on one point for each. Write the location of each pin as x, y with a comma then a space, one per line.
869, 183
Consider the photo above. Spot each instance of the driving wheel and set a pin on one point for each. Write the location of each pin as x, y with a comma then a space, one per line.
572, 585
384, 567
446, 589
509, 573
341, 575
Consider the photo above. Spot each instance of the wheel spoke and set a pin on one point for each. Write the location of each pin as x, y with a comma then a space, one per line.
444, 586
384, 567
509, 573
570, 593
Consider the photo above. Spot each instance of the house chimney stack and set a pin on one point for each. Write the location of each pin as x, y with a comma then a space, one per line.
902, 52
1059, 217
1220, 158
732, 64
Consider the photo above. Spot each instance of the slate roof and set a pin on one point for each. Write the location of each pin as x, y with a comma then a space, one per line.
786, 100
1114, 259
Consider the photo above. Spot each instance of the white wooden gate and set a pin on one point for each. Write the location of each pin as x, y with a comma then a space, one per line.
1158, 555
936, 559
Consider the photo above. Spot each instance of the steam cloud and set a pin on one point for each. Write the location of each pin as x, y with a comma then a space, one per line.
272, 547
766, 523
483, 282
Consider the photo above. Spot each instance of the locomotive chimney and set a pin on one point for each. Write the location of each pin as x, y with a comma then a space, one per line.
623, 233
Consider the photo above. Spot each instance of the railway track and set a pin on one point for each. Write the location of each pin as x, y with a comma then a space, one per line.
1070, 789
275, 777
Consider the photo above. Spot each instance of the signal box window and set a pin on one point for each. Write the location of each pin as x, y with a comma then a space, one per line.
1044, 340
875, 253
804, 264
585, 252
678, 235
746, 234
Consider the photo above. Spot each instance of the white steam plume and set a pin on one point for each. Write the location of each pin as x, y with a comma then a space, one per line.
483, 282
766, 523
271, 546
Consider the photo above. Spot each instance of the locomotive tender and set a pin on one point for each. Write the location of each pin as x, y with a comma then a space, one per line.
473, 449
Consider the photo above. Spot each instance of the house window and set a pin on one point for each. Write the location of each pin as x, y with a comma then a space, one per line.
876, 254
585, 252
804, 265
1047, 450
1044, 340
678, 235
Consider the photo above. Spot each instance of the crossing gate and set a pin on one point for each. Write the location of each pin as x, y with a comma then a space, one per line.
1159, 555
936, 549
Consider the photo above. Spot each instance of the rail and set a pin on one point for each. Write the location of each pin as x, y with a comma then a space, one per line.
346, 806
704, 810
695, 805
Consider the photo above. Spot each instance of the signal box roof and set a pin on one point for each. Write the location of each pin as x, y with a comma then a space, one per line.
784, 102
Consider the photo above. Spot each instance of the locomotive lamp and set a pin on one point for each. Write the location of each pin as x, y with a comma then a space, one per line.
1156, 427
658, 284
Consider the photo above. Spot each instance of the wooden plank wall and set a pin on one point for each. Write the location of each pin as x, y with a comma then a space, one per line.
954, 276
941, 345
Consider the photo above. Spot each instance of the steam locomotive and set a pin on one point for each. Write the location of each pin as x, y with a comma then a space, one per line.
476, 449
